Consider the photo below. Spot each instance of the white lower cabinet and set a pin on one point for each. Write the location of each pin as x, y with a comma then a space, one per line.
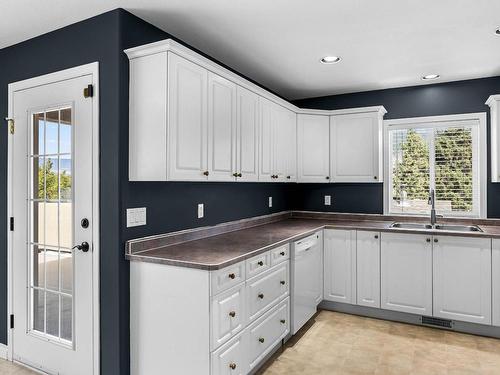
495, 281
340, 265
266, 289
267, 331
228, 314
406, 273
462, 278
368, 268
231, 358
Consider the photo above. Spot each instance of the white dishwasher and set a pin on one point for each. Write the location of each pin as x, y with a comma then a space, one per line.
306, 279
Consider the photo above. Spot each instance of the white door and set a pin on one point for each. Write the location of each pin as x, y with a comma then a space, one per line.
187, 119
52, 205
462, 278
368, 268
495, 284
406, 273
266, 143
340, 265
221, 129
313, 148
247, 135
355, 147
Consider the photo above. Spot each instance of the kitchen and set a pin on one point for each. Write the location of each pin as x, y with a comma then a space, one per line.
345, 221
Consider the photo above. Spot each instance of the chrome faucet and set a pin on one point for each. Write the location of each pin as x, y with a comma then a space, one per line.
432, 202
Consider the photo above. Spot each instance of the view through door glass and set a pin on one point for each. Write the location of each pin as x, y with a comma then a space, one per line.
51, 236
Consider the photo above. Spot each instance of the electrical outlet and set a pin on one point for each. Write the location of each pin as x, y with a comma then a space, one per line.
270, 201
328, 200
201, 211
136, 217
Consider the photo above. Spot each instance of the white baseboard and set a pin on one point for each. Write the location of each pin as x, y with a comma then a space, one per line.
3, 351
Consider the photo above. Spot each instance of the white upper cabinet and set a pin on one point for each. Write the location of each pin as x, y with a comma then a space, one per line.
221, 128
356, 146
187, 119
247, 135
266, 144
148, 118
494, 103
406, 273
462, 278
277, 143
495, 284
193, 120
313, 134
340, 265
368, 268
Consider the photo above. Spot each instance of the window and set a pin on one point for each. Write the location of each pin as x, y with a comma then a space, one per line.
444, 153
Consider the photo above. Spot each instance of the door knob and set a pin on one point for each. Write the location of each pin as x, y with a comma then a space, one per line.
84, 246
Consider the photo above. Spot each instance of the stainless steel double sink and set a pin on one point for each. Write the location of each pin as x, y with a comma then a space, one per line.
447, 227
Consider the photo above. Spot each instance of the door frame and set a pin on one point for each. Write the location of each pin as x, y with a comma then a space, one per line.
82, 70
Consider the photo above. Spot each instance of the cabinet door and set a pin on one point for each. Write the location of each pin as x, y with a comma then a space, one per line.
221, 128
266, 140
291, 146
340, 265
187, 119
495, 292
313, 148
247, 145
406, 273
356, 147
231, 358
462, 278
368, 268
281, 145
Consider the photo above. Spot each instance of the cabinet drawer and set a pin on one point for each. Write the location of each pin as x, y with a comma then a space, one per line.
266, 289
227, 277
258, 264
228, 315
280, 254
267, 332
231, 358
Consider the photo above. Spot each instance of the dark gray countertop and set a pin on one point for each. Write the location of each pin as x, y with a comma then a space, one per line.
219, 251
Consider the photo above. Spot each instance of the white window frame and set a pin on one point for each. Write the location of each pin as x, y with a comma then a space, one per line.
436, 121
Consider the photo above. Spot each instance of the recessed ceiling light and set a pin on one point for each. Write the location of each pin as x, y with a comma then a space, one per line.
430, 77
330, 59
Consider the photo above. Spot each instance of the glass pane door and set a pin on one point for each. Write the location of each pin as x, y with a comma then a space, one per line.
51, 220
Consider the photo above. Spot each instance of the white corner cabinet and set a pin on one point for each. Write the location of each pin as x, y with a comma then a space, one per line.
193, 120
192, 321
494, 103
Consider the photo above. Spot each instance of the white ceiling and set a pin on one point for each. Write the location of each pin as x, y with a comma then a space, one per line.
384, 43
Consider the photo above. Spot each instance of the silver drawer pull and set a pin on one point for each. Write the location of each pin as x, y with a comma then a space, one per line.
260, 263
232, 314
282, 282
261, 340
232, 366
232, 275
261, 296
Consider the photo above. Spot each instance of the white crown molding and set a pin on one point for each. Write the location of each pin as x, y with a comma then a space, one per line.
181, 50
492, 99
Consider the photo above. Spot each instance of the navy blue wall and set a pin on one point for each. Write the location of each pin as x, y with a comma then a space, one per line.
428, 100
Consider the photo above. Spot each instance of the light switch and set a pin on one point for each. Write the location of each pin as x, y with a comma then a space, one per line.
270, 201
201, 211
136, 217
328, 200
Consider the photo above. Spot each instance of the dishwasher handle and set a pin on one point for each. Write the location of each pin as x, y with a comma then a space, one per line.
301, 246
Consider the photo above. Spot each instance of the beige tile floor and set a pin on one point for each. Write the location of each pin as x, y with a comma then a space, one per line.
344, 344
335, 343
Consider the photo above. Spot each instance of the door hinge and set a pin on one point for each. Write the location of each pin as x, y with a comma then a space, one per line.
10, 124
11, 321
88, 91
12, 224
